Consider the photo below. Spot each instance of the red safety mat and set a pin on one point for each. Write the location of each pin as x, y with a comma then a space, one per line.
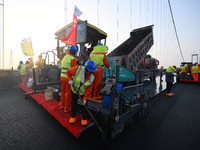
52, 106
40, 98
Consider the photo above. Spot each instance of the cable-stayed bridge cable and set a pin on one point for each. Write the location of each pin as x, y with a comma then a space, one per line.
175, 29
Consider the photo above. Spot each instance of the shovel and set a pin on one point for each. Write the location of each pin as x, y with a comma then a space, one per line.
102, 133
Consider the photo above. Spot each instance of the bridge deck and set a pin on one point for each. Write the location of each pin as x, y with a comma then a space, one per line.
174, 124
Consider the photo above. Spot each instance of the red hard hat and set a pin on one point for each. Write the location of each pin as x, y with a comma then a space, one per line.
174, 67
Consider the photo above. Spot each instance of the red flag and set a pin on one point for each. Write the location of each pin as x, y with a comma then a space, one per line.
71, 38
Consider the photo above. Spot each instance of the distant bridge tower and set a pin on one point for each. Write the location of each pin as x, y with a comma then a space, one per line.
193, 55
11, 60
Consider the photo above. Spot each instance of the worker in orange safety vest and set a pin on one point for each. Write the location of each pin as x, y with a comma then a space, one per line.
98, 55
195, 69
68, 62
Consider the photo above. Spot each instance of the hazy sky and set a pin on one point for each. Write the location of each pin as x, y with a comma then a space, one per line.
40, 19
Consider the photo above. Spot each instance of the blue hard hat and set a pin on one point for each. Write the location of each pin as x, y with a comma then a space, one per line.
21, 62
77, 47
99, 44
73, 49
27, 62
91, 66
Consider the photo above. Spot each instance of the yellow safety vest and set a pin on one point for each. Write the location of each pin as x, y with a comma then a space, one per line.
183, 69
195, 69
97, 55
77, 81
66, 64
23, 70
171, 69
98, 59
42, 63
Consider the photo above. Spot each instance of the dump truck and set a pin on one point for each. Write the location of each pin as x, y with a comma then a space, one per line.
132, 55
122, 104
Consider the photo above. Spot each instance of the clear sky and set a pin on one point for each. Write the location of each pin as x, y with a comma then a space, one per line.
40, 19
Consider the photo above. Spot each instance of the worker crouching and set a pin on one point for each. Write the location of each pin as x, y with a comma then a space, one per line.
83, 84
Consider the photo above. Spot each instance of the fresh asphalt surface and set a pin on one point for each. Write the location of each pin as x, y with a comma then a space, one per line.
174, 124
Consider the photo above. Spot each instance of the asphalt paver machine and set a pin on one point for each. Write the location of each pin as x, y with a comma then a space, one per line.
121, 104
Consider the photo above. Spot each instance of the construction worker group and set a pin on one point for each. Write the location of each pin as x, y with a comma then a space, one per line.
25, 70
189, 71
84, 81
186, 71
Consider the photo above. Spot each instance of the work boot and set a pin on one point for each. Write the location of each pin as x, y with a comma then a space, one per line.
168, 94
84, 122
61, 106
72, 120
67, 110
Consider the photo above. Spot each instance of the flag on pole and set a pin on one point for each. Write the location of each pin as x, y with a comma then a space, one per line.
27, 47
71, 38
77, 11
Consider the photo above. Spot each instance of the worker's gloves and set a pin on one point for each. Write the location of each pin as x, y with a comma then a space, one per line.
84, 102
71, 82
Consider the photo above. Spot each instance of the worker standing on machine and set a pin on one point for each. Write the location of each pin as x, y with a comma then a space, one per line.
68, 62
195, 69
40, 62
183, 70
24, 73
83, 83
31, 65
170, 79
19, 67
98, 55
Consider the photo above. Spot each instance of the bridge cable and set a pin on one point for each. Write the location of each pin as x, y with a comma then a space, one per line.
131, 16
147, 12
117, 19
175, 29
98, 14
157, 29
140, 13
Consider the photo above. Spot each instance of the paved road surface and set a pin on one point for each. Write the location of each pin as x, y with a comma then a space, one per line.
174, 124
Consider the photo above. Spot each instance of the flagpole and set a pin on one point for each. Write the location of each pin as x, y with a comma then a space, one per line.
65, 12
2, 32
